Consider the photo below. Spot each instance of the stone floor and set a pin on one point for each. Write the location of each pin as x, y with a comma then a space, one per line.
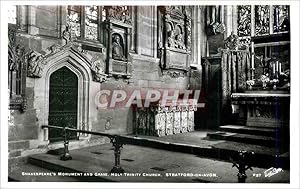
146, 164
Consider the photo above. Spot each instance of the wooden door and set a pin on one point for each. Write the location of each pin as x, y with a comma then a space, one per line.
63, 97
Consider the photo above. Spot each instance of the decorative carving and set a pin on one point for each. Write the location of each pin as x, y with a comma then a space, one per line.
174, 40
169, 122
188, 33
67, 36
177, 123
160, 121
171, 40
108, 123
179, 43
245, 43
35, 66
232, 42
16, 72
119, 13
97, 70
191, 123
184, 119
175, 74
37, 61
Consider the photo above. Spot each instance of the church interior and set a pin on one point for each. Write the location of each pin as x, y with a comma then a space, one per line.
229, 64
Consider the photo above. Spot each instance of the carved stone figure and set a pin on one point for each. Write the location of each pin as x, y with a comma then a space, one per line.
34, 66
171, 42
117, 48
98, 72
67, 34
179, 43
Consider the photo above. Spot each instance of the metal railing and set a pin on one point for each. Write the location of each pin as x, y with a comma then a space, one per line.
114, 139
241, 160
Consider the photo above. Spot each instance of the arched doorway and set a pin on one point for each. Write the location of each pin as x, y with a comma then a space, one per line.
63, 103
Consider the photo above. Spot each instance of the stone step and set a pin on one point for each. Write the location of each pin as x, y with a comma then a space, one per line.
249, 130
244, 138
18, 145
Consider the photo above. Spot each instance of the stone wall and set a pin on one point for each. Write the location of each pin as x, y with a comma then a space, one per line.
41, 27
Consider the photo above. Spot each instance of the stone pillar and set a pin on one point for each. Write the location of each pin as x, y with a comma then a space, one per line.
32, 29
63, 15
228, 20
138, 25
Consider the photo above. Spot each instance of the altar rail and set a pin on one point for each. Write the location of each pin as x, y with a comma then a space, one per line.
118, 141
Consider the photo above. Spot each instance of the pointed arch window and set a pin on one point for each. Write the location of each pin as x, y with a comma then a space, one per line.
85, 21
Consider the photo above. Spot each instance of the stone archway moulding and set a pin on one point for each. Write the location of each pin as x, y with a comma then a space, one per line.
41, 67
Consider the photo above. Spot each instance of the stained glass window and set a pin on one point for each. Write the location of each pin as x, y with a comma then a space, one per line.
266, 19
262, 19
244, 20
12, 14
73, 19
103, 14
84, 21
91, 22
281, 18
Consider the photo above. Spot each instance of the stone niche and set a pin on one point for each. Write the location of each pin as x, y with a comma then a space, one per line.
118, 25
174, 40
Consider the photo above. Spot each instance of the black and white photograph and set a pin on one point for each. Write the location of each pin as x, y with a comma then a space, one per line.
168, 93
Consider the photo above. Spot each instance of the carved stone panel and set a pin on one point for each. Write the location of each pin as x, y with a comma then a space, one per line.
94, 56
174, 40
119, 13
160, 121
177, 124
169, 121
184, 120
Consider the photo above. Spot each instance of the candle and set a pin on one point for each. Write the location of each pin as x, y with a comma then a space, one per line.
279, 68
252, 54
273, 69
252, 60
